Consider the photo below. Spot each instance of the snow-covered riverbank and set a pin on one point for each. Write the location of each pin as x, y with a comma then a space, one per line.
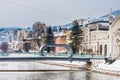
74, 64
102, 67
96, 66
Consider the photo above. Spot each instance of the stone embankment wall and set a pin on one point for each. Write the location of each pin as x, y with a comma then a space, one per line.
102, 67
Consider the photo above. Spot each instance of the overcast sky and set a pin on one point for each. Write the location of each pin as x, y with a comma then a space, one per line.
52, 12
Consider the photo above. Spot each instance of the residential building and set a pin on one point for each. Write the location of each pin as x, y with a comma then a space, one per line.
59, 38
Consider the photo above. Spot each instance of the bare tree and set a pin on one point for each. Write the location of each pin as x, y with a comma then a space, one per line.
39, 29
38, 33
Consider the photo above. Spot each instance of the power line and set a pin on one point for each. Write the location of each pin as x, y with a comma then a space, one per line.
35, 9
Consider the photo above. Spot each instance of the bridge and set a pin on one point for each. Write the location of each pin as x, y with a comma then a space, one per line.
42, 55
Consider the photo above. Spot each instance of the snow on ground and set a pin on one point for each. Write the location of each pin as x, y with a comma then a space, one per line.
100, 65
115, 66
78, 63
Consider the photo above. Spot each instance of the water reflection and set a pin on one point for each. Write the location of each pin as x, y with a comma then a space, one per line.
56, 75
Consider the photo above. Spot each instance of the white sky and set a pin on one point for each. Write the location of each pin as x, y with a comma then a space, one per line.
26, 12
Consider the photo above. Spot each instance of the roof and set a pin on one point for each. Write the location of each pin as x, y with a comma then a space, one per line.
115, 20
97, 22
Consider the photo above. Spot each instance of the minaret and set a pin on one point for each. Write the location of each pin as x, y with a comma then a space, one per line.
110, 45
110, 17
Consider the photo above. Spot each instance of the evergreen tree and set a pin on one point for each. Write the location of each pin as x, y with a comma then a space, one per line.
75, 36
49, 38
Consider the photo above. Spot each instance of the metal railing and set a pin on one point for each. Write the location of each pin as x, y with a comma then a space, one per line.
42, 48
42, 55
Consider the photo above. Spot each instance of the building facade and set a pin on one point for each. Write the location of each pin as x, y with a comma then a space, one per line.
96, 37
103, 38
115, 37
59, 38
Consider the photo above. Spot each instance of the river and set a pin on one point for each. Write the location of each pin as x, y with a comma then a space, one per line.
62, 73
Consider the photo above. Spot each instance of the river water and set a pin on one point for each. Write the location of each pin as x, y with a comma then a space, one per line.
56, 75
65, 73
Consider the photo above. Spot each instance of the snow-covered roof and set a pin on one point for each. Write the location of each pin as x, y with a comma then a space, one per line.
104, 17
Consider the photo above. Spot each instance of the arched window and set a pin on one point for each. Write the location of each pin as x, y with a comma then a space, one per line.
105, 50
100, 49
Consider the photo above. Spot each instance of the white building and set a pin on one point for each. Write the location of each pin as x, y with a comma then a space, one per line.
103, 37
115, 37
97, 37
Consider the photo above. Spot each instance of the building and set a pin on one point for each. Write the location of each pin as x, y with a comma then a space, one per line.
59, 38
21, 34
96, 37
115, 38
103, 37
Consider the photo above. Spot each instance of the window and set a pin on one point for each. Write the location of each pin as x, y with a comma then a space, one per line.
100, 49
105, 50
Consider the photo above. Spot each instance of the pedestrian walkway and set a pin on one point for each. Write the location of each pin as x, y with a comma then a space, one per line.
50, 57
37, 54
